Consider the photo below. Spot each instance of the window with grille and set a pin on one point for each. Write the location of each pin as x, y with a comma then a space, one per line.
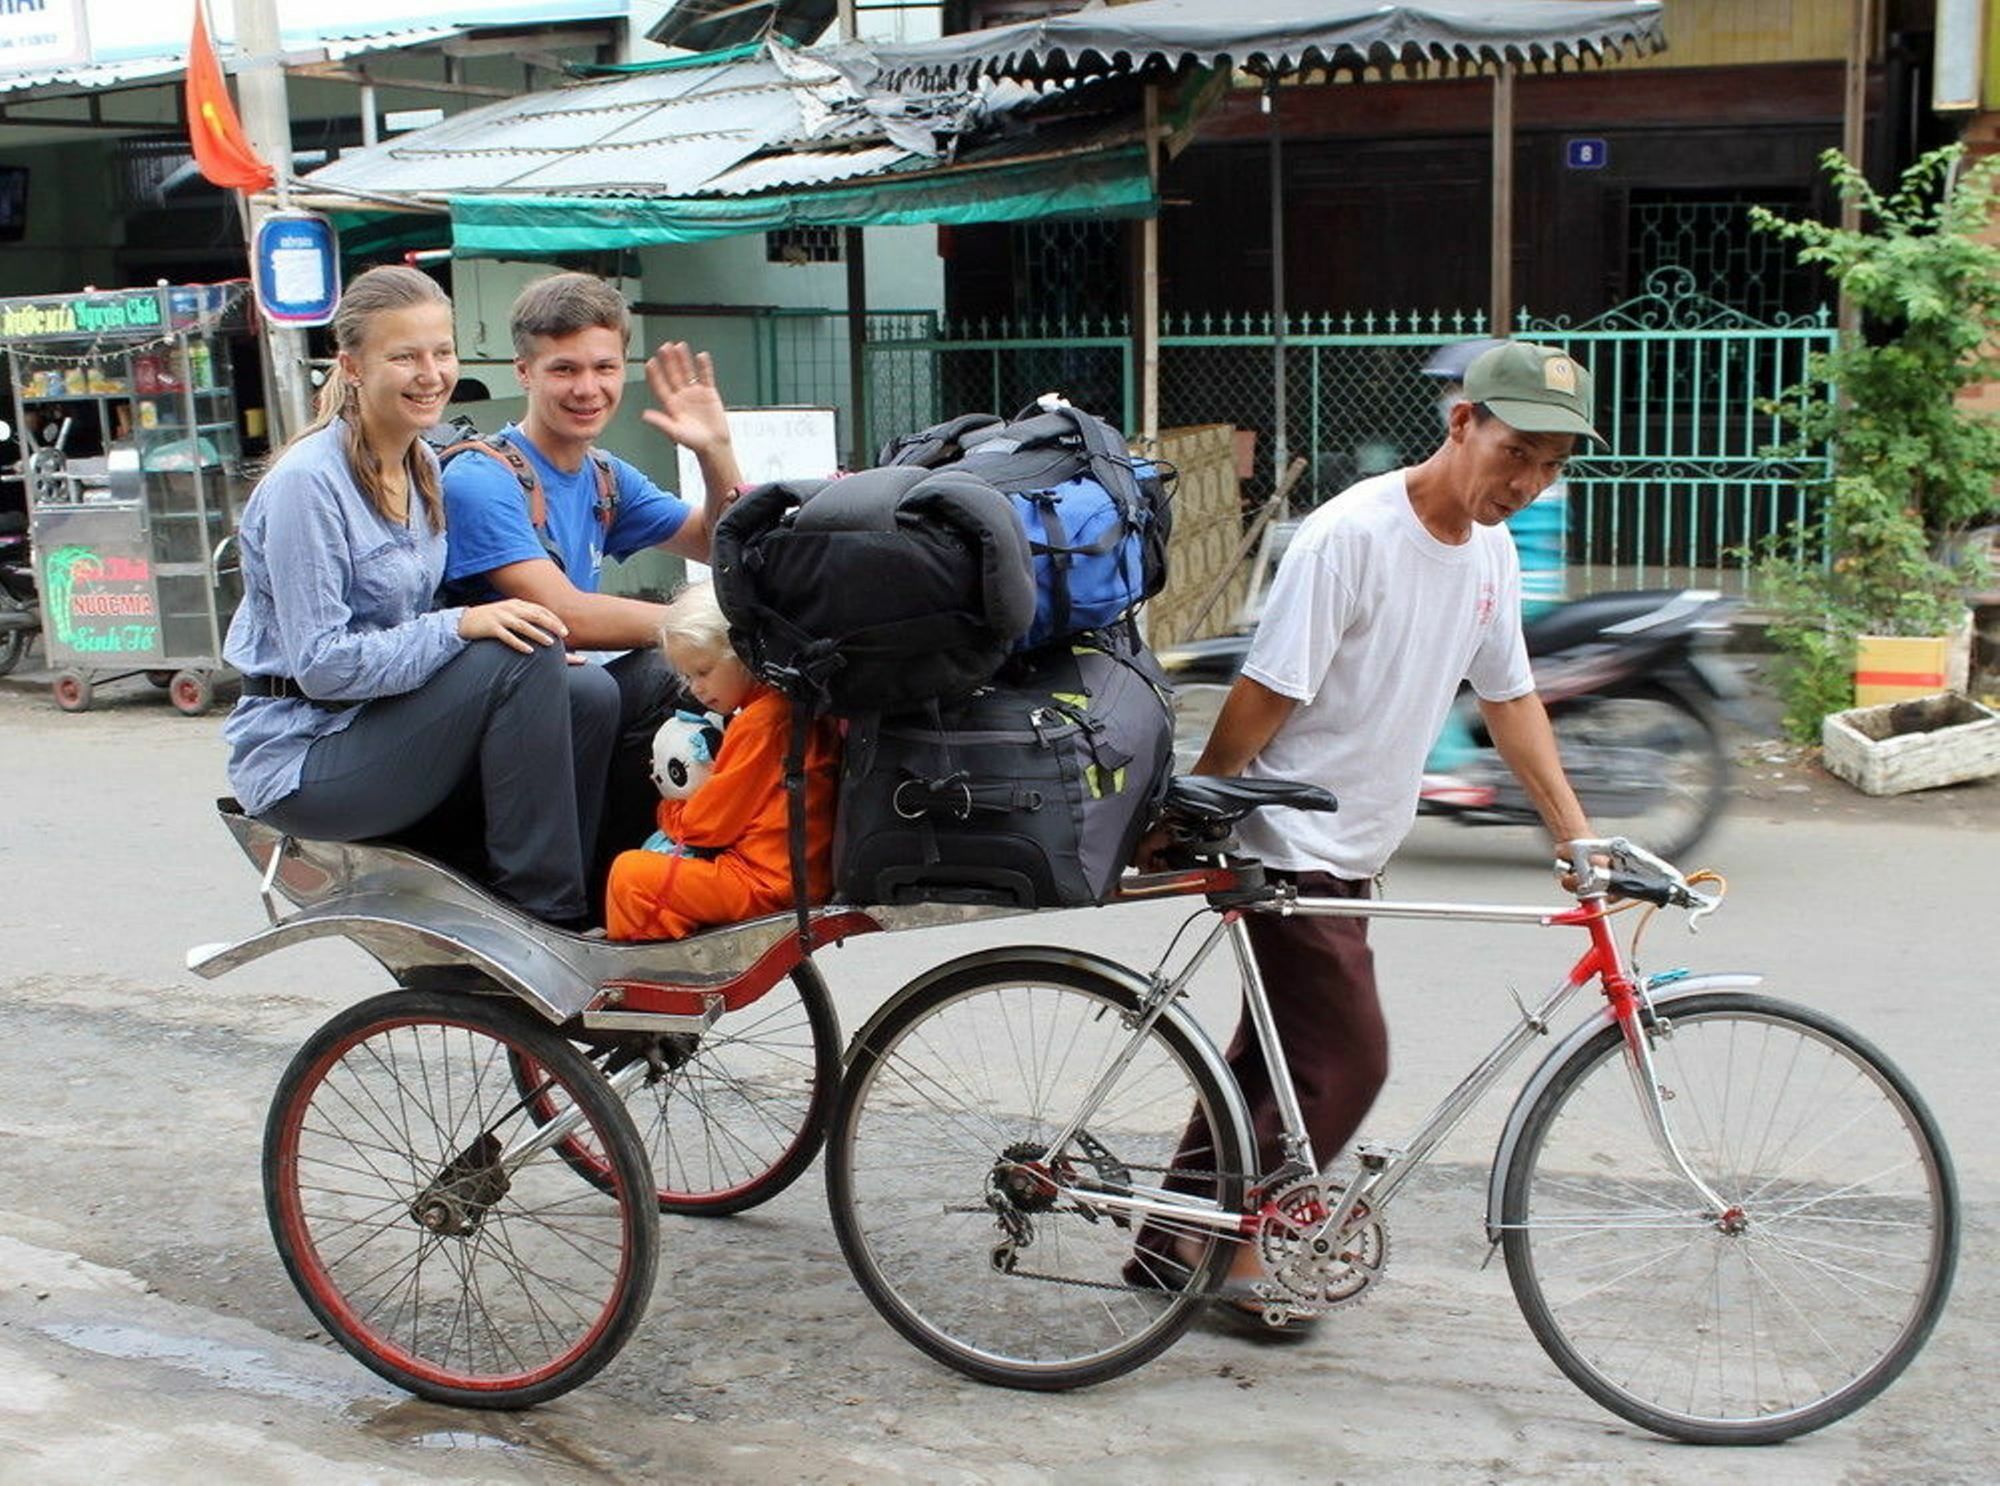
1708, 233
803, 245
149, 170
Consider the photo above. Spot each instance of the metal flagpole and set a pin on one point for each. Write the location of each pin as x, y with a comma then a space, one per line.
267, 121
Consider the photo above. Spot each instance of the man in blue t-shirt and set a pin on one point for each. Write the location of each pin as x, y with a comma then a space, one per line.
570, 335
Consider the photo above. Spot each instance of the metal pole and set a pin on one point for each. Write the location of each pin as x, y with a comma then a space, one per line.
267, 121
371, 125
1280, 450
1501, 308
1854, 130
1149, 287
854, 250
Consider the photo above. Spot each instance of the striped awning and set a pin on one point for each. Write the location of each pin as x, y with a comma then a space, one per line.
1274, 38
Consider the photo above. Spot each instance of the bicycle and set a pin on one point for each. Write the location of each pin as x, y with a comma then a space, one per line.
1728, 1219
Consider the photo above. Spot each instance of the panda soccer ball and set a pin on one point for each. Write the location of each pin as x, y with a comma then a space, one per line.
684, 752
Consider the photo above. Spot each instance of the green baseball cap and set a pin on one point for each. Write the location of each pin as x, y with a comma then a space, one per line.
1537, 389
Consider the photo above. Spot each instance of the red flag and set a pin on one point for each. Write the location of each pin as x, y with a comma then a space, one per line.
220, 148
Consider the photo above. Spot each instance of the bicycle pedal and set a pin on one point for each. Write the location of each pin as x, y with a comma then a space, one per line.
1374, 1156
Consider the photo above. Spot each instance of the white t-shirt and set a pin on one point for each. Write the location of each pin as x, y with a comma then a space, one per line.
1371, 624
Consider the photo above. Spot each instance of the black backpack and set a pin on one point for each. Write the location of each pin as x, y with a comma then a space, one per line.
1030, 793
881, 590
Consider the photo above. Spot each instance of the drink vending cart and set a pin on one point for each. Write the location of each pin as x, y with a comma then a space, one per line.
132, 544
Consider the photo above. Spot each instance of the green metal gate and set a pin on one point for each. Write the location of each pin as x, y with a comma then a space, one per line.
1683, 494
1686, 488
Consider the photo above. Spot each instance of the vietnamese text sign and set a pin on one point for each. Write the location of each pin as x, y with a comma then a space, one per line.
770, 444
297, 262
42, 33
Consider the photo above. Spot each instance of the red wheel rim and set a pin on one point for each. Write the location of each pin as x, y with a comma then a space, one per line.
314, 1275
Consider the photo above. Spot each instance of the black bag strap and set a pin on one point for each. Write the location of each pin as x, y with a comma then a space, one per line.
1109, 459
940, 444
500, 448
795, 816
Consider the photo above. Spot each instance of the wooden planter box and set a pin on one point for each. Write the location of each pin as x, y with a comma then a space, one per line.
1892, 749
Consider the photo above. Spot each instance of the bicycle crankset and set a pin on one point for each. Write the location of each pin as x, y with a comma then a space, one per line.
1326, 1271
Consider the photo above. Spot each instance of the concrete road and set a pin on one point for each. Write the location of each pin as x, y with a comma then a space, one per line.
147, 1331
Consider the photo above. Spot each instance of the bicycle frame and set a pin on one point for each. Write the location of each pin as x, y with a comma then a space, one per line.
1383, 1169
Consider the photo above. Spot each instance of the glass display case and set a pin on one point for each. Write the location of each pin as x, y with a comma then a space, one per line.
132, 460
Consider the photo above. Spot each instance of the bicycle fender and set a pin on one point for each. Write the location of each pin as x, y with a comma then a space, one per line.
1545, 1072
1237, 1114
446, 941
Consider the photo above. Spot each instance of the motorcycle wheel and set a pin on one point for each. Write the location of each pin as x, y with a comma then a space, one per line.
1647, 764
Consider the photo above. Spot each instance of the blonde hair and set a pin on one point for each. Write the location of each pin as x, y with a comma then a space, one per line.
377, 291
695, 622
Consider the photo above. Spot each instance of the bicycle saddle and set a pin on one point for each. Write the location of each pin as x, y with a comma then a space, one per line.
1207, 800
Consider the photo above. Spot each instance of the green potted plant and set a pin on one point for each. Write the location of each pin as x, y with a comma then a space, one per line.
1913, 465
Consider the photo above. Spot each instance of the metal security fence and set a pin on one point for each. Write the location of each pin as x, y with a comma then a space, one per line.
1356, 403
919, 374
1686, 488
1684, 493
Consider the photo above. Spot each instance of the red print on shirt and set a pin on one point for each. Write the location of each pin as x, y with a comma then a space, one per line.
1488, 601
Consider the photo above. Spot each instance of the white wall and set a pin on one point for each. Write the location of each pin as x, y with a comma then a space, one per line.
904, 273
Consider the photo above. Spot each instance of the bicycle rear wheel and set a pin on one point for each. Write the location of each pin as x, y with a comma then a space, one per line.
944, 1190
420, 1231
737, 1113
1793, 1308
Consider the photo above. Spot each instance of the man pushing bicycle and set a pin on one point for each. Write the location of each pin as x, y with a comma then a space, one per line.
1390, 596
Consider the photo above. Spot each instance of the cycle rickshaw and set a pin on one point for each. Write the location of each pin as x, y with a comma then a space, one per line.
1727, 1218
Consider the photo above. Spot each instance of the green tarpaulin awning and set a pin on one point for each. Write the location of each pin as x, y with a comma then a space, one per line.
1110, 183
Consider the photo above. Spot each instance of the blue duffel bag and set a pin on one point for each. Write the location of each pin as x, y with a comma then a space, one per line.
1097, 519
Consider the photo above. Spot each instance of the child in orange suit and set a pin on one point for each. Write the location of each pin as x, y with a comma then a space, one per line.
726, 856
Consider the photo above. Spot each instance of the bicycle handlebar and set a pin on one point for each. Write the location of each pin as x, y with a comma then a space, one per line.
1655, 879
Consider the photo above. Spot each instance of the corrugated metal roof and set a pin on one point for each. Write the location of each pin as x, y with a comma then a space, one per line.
806, 168
670, 132
96, 76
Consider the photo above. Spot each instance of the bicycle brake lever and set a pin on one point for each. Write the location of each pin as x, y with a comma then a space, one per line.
1707, 906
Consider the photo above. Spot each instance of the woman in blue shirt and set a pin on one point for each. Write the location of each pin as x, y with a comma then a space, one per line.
363, 706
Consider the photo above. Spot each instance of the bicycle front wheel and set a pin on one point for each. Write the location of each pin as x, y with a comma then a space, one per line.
1799, 1302
989, 1249
425, 1229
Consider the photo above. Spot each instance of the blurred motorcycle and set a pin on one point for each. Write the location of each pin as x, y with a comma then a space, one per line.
1636, 689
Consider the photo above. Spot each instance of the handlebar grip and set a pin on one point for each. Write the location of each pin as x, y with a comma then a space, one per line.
1645, 889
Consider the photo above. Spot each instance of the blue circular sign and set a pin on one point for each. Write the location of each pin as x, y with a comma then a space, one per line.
296, 258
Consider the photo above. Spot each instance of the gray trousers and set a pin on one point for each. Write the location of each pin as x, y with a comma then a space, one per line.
535, 739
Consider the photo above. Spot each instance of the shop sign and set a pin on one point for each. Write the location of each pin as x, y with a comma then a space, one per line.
100, 604
42, 33
79, 316
297, 262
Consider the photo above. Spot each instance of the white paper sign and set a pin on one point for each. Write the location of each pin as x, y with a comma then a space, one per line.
46, 33
771, 444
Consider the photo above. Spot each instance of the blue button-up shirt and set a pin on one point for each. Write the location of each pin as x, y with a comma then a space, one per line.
334, 597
